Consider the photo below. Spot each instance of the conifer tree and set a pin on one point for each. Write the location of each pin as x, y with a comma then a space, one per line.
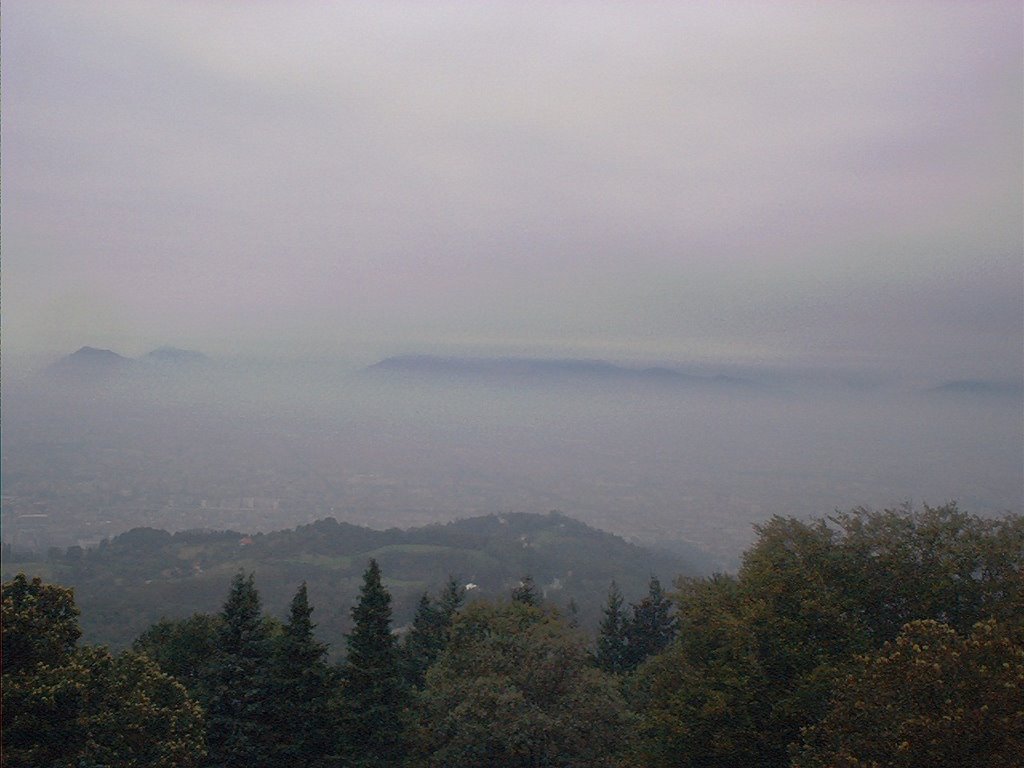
374, 694
238, 707
301, 692
572, 611
452, 598
612, 643
422, 642
428, 635
652, 626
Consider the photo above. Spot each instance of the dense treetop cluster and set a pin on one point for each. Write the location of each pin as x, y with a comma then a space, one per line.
891, 638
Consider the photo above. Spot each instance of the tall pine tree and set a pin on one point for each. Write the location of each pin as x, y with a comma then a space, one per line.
302, 692
652, 626
428, 635
422, 642
452, 598
238, 684
612, 643
375, 698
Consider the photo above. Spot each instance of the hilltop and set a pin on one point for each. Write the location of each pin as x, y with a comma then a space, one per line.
93, 363
89, 362
138, 577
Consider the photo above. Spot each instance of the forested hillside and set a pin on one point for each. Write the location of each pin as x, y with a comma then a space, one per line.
890, 638
143, 575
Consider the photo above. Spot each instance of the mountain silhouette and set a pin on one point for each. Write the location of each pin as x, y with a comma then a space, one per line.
89, 363
540, 370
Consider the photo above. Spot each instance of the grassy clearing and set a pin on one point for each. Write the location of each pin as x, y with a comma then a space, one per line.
339, 563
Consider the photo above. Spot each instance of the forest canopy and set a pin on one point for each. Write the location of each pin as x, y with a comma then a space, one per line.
891, 638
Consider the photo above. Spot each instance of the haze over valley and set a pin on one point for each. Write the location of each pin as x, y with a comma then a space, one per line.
670, 270
96, 444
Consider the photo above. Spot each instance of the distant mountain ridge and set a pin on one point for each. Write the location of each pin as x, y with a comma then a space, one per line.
92, 363
89, 362
528, 369
980, 388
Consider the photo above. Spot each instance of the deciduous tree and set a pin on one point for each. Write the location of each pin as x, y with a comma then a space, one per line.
40, 624
65, 706
929, 699
514, 688
183, 648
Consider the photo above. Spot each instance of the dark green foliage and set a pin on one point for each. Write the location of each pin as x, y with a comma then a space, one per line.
374, 695
134, 714
758, 656
100, 710
238, 682
799, 657
526, 592
818, 593
423, 642
572, 613
295, 716
612, 644
514, 688
297, 648
703, 701
451, 600
302, 693
804, 619
625, 641
652, 626
428, 634
183, 648
936, 562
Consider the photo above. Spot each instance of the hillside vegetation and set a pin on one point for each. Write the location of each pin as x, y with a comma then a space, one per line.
889, 639
143, 575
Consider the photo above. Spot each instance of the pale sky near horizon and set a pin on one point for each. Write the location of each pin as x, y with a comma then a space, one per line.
778, 183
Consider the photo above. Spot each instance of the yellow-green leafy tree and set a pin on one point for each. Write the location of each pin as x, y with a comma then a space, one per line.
65, 707
930, 699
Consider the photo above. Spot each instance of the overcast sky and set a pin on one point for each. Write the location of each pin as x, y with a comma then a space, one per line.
826, 184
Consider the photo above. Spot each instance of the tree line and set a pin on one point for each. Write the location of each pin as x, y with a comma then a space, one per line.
891, 638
